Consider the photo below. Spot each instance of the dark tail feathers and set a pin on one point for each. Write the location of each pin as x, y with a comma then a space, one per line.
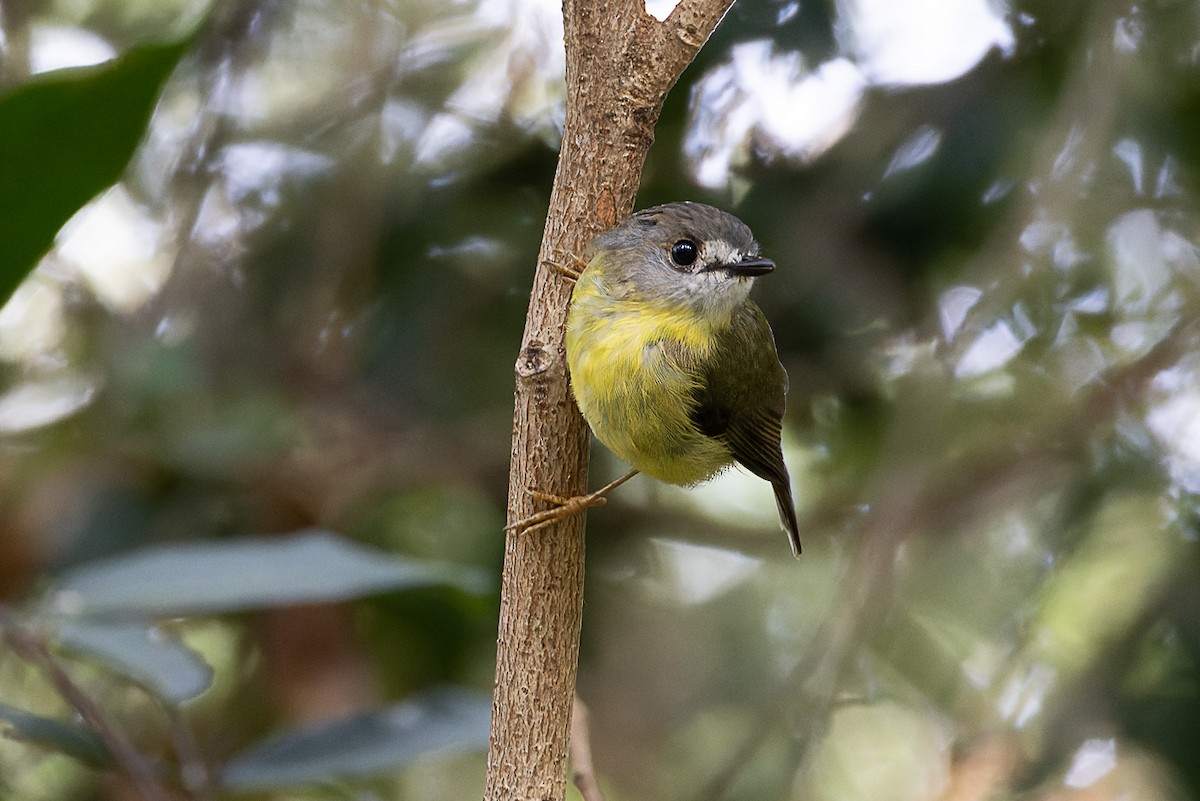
787, 513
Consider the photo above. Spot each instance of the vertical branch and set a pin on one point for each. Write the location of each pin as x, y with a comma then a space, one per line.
620, 65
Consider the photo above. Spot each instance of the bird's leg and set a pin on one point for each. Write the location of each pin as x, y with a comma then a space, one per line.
571, 271
564, 507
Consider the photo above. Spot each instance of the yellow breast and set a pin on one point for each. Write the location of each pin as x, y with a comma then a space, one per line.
634, 370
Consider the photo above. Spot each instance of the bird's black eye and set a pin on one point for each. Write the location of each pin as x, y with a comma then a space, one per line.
684, 252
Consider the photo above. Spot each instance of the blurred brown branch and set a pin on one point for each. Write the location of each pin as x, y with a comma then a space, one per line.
583, 768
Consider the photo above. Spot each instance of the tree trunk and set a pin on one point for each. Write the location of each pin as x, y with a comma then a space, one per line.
620, 64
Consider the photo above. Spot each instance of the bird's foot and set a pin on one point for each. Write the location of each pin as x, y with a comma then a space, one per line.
564, 507
571, 271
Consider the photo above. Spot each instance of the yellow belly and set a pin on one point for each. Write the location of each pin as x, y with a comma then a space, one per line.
633, 372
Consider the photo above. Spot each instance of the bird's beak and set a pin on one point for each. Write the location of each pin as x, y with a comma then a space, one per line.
749, 268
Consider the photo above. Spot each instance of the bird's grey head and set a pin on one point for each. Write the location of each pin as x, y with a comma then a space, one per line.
682, 253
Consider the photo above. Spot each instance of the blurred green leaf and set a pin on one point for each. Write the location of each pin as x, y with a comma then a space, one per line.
153, 659
216, 577
63, 139
66, 738
436, 723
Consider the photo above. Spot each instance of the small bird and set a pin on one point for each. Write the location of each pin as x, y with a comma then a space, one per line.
672, 364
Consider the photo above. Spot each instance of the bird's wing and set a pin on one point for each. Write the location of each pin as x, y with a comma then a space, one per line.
741, 400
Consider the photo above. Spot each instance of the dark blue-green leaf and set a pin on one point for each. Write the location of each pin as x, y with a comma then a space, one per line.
65, 137
65, 738
436, 723
156, 660
235, 575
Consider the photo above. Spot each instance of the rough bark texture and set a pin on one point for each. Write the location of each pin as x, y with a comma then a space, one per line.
620, 64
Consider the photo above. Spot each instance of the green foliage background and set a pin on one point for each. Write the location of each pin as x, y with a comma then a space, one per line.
992, 423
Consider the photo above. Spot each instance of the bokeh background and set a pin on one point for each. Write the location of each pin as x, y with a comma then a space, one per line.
300, 305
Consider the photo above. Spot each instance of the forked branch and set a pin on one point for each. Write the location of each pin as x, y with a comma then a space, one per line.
621, 62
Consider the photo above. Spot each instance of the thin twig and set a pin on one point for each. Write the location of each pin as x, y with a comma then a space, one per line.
194, 772
32, 648
583, 771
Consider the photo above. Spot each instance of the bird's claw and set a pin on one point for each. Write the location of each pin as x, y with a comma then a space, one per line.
563, 508
571, 271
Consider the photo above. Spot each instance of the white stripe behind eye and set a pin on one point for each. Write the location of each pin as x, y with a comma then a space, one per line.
718, 251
